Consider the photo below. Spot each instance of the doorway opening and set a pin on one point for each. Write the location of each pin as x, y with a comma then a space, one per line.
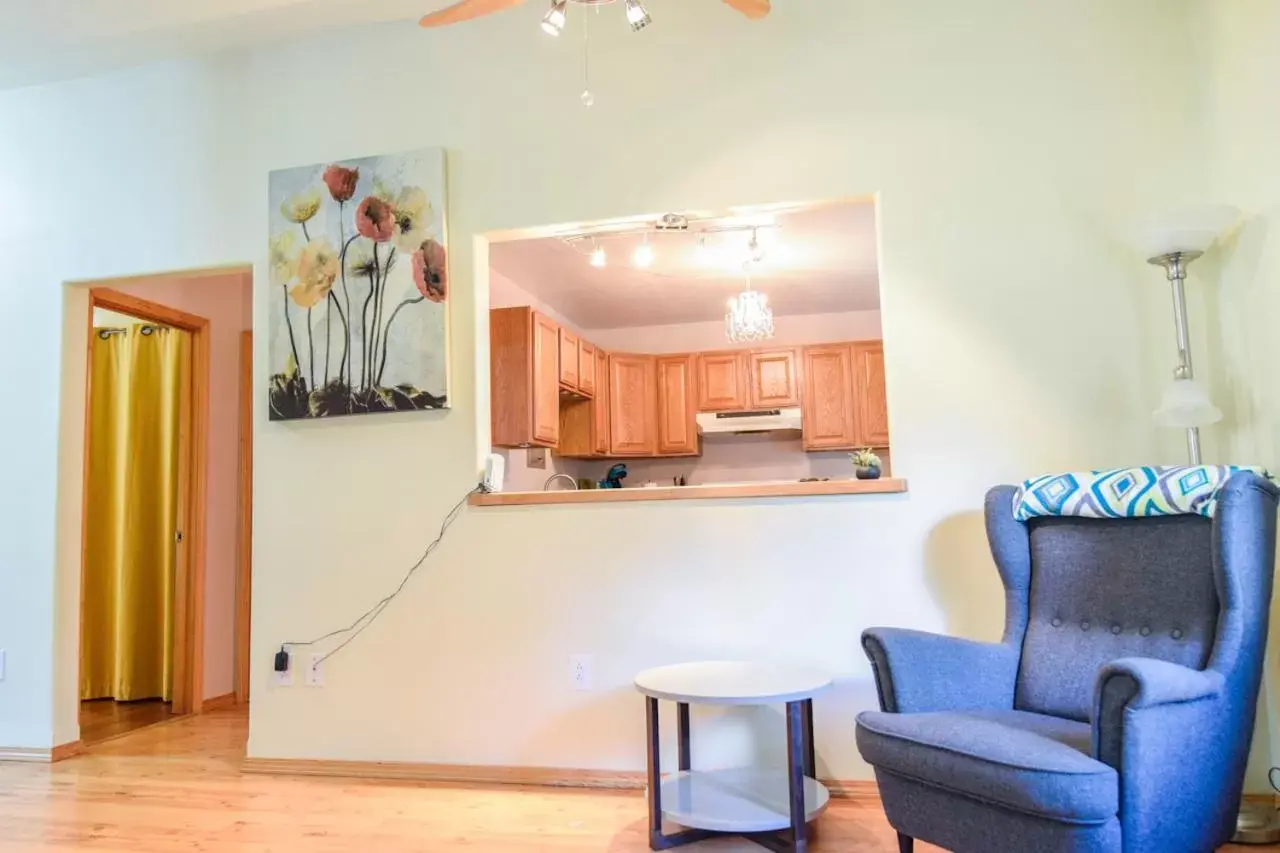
164, 570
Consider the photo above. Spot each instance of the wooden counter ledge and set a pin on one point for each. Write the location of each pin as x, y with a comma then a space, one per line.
886, 485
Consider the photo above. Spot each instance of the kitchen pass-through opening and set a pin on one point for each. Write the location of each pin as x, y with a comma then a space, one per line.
685, 349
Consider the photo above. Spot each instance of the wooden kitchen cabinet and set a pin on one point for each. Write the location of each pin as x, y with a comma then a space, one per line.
722, 381
586, 367
570, 360
869, 393
676, 403
774, 382
632, 405
524, 378
828, 414
600, 408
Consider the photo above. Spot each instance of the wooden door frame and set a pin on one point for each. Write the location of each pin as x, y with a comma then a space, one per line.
189, 585
244, 531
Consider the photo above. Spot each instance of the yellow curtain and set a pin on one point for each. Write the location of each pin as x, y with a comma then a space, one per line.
126, 638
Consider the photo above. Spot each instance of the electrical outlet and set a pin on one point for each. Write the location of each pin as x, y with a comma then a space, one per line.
580, 672
315, 671
283, 679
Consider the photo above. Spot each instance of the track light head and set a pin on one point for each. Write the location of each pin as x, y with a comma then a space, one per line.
637, 16
553, 22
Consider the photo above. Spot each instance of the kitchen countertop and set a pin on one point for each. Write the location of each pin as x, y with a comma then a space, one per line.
885, 485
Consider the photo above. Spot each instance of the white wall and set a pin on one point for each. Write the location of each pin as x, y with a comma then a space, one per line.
790, 330
1242, 121
1006, 139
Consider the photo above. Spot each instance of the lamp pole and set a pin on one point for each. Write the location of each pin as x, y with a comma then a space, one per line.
1175, 267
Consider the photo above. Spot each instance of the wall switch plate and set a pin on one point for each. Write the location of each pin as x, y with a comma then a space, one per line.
580, 672
284, 679
315, 671
536, 457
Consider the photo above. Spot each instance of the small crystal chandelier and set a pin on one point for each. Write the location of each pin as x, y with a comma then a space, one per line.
749, 317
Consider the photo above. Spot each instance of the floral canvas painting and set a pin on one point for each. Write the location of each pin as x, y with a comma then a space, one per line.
359, 287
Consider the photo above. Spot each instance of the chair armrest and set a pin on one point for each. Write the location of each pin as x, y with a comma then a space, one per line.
916, 671
1141, 686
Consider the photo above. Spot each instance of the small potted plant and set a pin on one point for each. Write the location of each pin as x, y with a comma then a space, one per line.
866, 464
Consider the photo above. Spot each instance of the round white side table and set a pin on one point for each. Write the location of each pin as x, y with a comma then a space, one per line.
771, 808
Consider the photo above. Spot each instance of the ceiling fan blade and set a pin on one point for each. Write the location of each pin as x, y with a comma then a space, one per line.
753, 9
465, 11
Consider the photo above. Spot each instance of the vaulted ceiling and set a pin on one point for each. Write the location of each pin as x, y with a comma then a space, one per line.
43, 40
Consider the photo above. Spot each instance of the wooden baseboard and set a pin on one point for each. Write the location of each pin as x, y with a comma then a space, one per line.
218, 703
66, 750
30, 755
470, 774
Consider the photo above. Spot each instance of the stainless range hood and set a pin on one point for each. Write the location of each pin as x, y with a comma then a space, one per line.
728, 423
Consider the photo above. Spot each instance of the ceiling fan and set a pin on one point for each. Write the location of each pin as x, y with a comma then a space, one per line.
465, 10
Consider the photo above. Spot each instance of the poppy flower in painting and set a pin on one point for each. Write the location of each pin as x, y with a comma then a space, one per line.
284, 258
413, 218
376, 219
302, 207
318, 266
429, 271
341, 182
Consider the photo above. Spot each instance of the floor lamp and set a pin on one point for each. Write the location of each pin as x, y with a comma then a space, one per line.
1185, 403
1175, 243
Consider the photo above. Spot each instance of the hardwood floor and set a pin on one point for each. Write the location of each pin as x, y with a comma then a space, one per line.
101, 719
179, 787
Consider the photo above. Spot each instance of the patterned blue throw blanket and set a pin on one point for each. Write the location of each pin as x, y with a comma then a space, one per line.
1127, 492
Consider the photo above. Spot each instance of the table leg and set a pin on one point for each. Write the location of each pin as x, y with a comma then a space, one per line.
657, 840
682, 728
810, 759
797, 756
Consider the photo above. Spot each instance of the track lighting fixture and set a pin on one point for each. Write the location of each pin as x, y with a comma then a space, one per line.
553, 22
637, 16
598, 257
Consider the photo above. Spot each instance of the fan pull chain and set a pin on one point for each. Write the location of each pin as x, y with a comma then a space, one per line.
588, 99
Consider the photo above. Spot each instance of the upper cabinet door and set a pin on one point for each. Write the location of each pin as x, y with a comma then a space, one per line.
869, 390
586, 367
677, 417
632, 405
600, 408
569, 360
774, 383
722, 381
828, 417
546, 380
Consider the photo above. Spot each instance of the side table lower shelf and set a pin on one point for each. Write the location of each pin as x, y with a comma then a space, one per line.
738, 801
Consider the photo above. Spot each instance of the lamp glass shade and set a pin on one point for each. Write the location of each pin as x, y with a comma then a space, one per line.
1186, 404
1191, 229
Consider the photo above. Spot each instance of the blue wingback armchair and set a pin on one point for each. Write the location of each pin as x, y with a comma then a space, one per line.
1116, 713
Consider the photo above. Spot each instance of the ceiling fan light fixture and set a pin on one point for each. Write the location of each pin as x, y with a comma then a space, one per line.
553, 22
637, 16
643, 255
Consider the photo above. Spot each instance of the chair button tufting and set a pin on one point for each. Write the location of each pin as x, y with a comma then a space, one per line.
1084, 626
1055, 622
1116, 629
1144, 630
1176, 634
